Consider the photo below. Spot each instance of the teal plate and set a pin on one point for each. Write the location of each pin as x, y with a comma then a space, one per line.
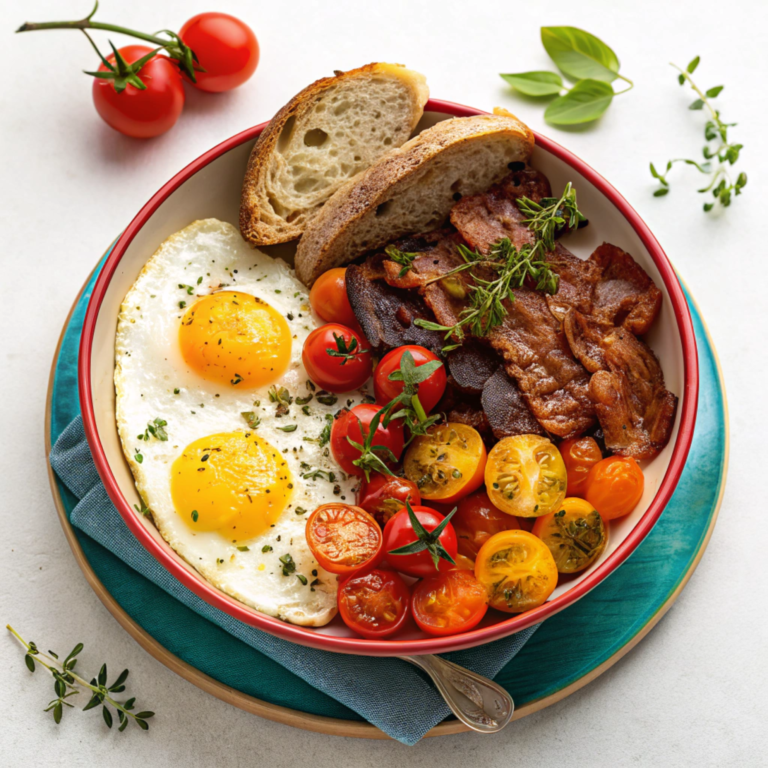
609, 621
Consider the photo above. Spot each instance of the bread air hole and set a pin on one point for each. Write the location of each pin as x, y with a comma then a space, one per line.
382, 209
285, 135
315, 138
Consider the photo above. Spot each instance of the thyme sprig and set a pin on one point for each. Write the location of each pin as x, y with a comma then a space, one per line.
548, 218
156, 429
403, 258
718, 157
67, 683
486, 308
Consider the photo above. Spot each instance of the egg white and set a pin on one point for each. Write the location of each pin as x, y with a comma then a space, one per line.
149, 368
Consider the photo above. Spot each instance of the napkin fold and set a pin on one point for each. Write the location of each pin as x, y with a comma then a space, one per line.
390, 694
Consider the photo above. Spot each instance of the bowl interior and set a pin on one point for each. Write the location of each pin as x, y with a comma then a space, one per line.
214, 191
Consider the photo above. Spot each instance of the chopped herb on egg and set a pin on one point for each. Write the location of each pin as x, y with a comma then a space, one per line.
266, 548
302, 578
194, 515
243, 549
288, 428
251, 419
289, 566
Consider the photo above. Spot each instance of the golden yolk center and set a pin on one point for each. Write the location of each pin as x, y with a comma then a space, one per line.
234, 483
235, 339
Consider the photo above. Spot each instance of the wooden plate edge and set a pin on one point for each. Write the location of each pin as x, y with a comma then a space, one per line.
318, 723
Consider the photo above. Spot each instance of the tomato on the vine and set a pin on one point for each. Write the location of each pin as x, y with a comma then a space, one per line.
428, 539
139, 113
449, 603
429, 391
226, 49
384, 495
374, 603
348, 427
336, 358
328, 298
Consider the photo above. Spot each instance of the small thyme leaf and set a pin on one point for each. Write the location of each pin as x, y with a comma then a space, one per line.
405, 260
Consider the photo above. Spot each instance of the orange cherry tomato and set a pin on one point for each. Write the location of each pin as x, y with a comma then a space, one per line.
580, 454
615, 486
343, 538
576, 535
328, 298
449, 603
374, 603
464, 562
517, 570
476, 520
447, 463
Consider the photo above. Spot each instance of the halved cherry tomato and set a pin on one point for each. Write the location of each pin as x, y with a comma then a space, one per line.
384, 495
525, 476
615, 486
337, 358
576, 535
226, 48
447, 463
343, 538
399, 532
429, 391
579, 454
347, 425
517, 570
141, 114
328, 298
374, 603
476, 520
449, 603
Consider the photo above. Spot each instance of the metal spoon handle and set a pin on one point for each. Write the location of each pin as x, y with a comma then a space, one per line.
478, 702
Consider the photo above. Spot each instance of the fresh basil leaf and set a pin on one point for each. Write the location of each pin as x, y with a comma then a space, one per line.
586, 101
580, 55
536, 83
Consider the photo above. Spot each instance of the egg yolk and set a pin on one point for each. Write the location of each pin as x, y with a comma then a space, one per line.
235, 339
233, 482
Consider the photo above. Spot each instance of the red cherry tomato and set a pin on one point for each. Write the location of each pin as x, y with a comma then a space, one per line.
580, 454
383, 495
337, 358
226, 49
449, 603
141, 114
399, 532
348, 426
344, 539
430, 390
375, 603
476, 520
328, 298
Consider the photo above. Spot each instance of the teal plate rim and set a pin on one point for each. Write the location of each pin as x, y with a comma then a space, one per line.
609, 621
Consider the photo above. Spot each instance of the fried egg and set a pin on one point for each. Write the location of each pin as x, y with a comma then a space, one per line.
224, 432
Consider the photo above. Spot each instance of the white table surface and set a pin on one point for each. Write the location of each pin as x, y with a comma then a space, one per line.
693, 692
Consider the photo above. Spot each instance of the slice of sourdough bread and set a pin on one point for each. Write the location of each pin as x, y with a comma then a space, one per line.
412, 189
327, 134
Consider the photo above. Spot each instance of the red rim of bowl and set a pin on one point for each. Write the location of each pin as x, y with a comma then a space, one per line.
394, 647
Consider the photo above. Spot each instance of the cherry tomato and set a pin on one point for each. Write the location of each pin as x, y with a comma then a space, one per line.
343, 538
447, 463
525, 476
328, 298
141, 114
226, 49
517, 570
476, 520
374, 603
465, 563
383, 495
615, 486
579, 454
337, 358
449, 603
430, 390
347, 425
399, 532
576, 535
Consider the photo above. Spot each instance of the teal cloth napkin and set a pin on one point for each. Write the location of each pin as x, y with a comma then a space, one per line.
389, 693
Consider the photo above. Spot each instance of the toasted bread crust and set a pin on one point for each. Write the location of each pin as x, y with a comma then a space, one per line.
327, 241
252, 226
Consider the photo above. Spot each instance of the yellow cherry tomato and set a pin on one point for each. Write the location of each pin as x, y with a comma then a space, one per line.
447, 463
517, 570
576, 535
525, 476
